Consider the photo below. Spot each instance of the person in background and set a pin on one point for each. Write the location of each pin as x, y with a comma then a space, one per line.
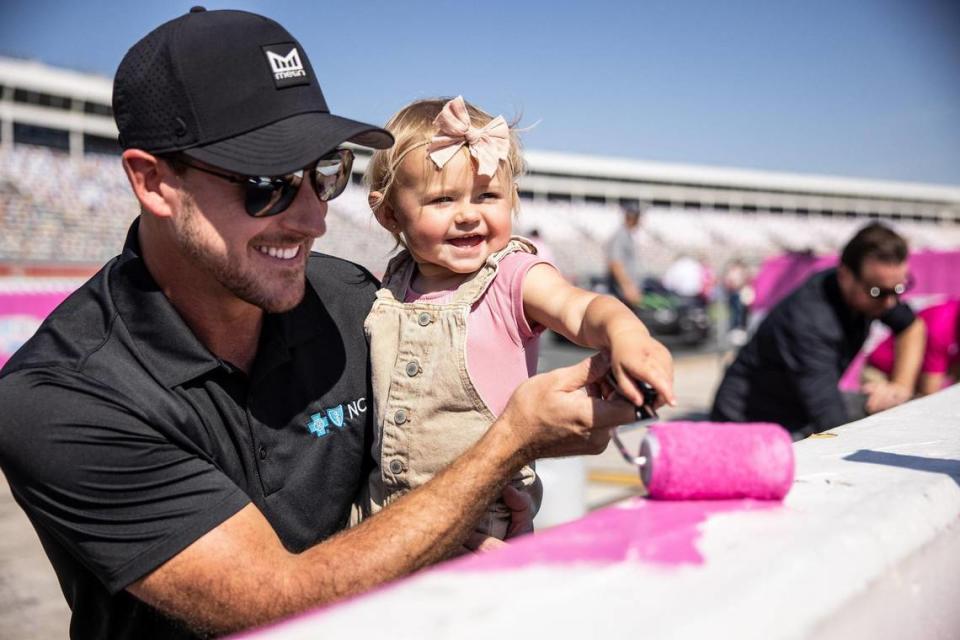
941, 356
734, 283
685, 277
624, 270
790, 369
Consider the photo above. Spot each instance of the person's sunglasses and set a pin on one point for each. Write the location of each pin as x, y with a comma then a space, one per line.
896, 290
270, 195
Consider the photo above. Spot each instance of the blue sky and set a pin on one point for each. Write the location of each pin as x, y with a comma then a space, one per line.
867, 88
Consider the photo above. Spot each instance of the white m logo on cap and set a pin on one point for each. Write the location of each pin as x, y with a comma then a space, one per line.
289, 62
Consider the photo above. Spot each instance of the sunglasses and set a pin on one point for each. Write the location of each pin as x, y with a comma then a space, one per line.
897, 290
270, 195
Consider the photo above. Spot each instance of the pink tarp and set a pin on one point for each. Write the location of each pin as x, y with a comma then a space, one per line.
21, 312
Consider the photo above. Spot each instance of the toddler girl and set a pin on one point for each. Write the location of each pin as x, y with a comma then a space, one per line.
454, 329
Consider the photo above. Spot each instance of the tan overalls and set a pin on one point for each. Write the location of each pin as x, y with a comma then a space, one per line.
426, 408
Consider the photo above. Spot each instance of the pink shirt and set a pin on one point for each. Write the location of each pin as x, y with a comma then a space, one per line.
942, 352
502, 347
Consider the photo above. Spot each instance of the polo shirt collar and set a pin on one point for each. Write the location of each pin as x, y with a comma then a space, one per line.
168, 347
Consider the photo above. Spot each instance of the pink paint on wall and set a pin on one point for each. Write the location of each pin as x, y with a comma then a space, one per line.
658, 532
21, 313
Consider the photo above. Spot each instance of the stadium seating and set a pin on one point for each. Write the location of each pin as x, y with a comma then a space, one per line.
62, 210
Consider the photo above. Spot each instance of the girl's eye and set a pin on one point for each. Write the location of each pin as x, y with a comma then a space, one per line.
441, 200
489, 195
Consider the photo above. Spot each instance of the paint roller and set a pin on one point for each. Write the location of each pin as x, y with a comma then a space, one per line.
709, 460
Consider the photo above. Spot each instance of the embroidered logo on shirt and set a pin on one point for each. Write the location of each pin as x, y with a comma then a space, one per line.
319, 423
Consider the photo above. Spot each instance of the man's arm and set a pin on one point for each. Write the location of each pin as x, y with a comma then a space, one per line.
929, 383
908, 347
239, 575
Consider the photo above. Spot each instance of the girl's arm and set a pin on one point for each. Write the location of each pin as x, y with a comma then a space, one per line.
600, 322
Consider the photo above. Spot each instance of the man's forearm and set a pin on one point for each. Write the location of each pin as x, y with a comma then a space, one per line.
239, 576
421, 528
909, 345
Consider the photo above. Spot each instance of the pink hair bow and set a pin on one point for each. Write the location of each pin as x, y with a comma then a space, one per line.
488, 144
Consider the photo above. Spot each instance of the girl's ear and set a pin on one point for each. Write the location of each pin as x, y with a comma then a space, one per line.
384, 212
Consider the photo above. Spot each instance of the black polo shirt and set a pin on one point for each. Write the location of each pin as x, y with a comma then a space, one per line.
790, 369
124, 439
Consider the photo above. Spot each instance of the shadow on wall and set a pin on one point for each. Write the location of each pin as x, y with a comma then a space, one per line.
919, 463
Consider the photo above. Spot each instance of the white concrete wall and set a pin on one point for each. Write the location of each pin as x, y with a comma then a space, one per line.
867, 545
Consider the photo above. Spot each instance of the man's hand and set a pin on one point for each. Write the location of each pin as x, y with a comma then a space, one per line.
561, 413
884, 395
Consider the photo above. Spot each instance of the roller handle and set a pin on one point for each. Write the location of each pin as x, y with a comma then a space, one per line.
645, 415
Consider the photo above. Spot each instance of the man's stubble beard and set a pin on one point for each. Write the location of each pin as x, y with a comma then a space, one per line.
244, 283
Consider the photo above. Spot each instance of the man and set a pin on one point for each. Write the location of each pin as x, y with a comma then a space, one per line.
789, 371
624, 272
187, 431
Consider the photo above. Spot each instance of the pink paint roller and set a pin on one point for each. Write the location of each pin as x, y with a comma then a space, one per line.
710, 460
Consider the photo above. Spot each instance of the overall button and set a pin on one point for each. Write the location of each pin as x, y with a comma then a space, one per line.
413, 368
263, 452
400, 416
396, 466
424, 319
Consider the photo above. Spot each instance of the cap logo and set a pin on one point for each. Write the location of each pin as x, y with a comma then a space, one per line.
285, 64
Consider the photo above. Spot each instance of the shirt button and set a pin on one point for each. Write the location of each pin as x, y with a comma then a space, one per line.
263, 452
396, 466
400, 416
413, 368
424, 319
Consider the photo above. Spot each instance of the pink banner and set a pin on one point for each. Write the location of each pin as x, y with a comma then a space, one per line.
21, 313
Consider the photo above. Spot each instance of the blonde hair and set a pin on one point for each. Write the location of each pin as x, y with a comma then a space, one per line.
413, 127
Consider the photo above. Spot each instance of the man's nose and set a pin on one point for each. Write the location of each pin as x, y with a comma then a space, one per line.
307, 213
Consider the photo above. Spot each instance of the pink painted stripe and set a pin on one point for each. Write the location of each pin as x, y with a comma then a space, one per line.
663, 533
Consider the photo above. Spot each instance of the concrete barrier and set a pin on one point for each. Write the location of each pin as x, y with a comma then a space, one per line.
866, 545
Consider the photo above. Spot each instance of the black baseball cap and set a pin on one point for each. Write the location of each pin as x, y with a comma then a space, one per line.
232, 89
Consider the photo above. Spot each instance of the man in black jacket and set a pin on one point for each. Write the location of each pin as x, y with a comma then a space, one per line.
789, 371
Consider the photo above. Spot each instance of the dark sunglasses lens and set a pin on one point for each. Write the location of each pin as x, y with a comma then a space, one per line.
332, 174
270, 196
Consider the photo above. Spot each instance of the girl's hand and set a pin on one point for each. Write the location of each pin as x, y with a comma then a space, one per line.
634, 355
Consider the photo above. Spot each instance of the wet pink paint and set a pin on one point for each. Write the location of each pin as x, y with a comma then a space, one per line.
638, 530
659, 532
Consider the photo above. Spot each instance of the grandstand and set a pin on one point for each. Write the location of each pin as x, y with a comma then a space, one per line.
65, 204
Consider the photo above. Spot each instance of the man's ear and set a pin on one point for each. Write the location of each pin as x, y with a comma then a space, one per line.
384, 213
150, 179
